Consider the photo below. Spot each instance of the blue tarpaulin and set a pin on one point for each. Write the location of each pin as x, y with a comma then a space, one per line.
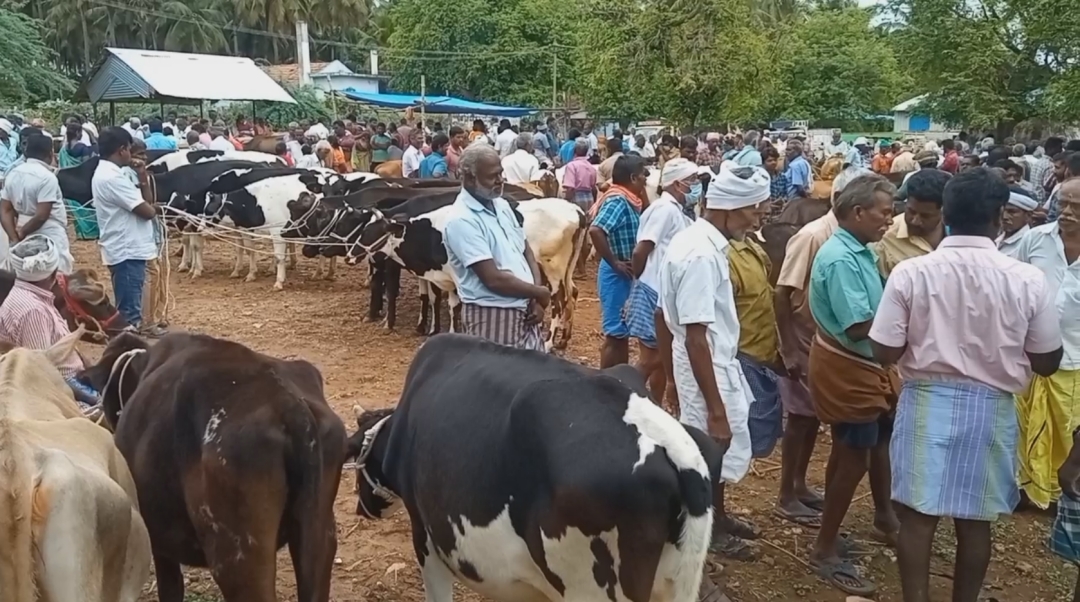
435, 104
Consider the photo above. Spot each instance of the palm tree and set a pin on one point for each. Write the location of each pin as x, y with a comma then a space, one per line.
67, 23
198, 27
773, 13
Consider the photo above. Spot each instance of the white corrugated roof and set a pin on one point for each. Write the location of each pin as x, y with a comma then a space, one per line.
907, 105
202, 76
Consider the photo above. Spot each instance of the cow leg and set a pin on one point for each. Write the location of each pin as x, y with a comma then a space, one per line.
248, 247
454, 301
197, 242
318, 268
330, 268
185, 257
378, 287
393, 286
570, 297
558, 309
170, 581
281, 249
438, 580
312, 531
436, 301
422, 323
292, 256
365, 282
239, 258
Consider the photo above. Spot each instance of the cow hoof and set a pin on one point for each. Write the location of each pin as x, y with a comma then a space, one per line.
234, 275
196, 274
249, 278
182, 268
330, 278
278, 286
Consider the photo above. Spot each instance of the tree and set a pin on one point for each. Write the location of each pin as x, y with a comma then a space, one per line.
836, 68
698, 63
990, 63
26, 70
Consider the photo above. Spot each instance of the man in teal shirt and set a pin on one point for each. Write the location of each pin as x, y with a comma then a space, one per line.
850, 392
380, 145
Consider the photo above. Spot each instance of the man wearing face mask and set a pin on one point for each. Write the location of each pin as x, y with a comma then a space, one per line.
660, 222
498, 279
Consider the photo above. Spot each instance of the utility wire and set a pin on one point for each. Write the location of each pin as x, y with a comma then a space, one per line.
428, 55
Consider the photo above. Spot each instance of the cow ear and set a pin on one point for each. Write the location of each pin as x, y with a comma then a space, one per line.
396, 228
63, 348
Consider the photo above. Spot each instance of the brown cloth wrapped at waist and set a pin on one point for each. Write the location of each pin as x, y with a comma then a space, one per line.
846, 387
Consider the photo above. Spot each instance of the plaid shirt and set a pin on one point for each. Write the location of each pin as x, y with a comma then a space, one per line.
711, 158
778, 186
618, 219
1038, 175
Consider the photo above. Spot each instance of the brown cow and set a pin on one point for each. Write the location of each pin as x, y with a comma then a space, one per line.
82, 301
234, 454
389, 169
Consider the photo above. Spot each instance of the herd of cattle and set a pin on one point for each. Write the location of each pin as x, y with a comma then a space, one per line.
392, 224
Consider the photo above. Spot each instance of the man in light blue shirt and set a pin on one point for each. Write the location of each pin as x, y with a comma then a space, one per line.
9, 146
497, 277
798, 171
859, 156
157, 140
748, 155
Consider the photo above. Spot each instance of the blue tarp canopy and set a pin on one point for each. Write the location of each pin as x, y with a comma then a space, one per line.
434, 104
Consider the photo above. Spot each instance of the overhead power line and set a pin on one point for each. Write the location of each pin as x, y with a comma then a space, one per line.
429, 55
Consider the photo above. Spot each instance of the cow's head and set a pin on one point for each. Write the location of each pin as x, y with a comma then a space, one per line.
82, 301
117, 374
368, 448
373, 235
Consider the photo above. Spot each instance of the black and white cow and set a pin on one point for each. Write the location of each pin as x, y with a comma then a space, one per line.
411, 235
530, 478
175, 159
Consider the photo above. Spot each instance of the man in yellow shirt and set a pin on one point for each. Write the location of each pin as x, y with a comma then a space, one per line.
922, 228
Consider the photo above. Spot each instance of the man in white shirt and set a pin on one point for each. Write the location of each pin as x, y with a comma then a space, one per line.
134, 128
410, 160
219, 142
32, 203
594, 142
698, 303
521, 166
319, 130
1015, 221
505, 141
660, 222
125, 215
643, 147
1051, 409
836, 146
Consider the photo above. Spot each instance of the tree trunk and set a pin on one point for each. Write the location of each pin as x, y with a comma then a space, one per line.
86, 47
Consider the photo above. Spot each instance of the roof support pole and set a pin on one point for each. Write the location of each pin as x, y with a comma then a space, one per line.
112, 113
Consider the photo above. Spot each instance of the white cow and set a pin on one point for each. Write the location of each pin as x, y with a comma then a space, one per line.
70, 527
180, 158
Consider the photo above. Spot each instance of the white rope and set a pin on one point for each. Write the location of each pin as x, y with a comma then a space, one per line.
125, 359
214, 229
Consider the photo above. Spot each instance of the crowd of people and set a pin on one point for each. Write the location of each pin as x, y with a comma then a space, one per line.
940, 346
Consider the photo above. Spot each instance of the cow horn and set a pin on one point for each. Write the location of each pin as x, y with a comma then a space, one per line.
358, 410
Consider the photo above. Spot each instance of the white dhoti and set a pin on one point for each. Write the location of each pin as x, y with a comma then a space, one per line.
735, 392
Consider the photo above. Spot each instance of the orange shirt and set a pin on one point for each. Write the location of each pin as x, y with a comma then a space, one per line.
882, 163
337, 156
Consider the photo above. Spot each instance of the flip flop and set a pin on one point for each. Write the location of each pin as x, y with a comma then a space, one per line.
742, 529
843, 575
847, 547
810, 520
732, 547
888, 539
815, 503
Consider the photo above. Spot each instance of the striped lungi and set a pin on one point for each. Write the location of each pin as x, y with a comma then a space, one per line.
638, 313
953, 450
502, 325
1065, 535
766, 414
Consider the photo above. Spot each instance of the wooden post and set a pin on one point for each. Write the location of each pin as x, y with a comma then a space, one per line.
423, 101
112, 113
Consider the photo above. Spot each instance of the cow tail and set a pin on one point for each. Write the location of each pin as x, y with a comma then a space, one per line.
696, 533
16, 508
579, 244
316, 458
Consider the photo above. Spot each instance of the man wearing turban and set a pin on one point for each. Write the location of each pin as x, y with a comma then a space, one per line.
699, 306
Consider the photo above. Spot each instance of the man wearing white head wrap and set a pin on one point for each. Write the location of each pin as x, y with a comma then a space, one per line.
698, 304
660, 222
1015, 221
28, 317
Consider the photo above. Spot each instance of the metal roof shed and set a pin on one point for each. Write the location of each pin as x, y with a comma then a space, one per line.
132, 75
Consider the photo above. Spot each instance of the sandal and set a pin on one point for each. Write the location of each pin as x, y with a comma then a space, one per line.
710, 591
817, 502
847, 547
843, 575
809, 519
741, 528
888, 539
732, 547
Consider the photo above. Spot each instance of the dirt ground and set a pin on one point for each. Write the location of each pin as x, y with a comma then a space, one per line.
362, 363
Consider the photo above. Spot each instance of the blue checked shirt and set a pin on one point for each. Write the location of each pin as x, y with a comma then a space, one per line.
778, 186
618, 219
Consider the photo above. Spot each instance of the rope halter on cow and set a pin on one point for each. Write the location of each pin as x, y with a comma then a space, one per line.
120, 366
361, 468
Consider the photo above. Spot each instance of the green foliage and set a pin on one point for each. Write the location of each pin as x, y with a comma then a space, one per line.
701, 62
495, 50
835, 68
308, 106
990, 63
27, 73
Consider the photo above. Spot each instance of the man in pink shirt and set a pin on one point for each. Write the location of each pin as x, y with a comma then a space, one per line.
966, 325
579, 177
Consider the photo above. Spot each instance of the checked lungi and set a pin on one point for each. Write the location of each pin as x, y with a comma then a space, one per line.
502, 325
953, 450
639, 313
1065, 536
766, 414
